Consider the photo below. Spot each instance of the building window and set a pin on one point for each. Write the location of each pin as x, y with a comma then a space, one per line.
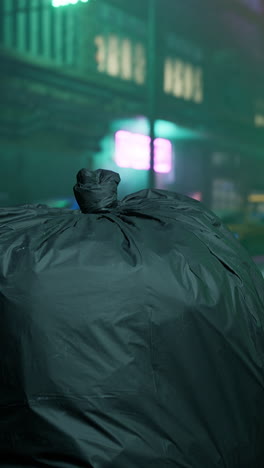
183, 80
259, 120
225, 196
36, 30
121, 58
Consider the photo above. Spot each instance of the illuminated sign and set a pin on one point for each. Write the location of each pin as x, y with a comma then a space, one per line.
183, 80
121, 58
132, 150
59, 3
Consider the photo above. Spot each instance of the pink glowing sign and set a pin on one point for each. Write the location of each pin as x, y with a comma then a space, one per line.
133, 150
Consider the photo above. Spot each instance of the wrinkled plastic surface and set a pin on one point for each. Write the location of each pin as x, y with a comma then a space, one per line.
131, 338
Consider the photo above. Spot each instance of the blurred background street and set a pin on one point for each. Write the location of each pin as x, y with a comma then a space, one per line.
169, 93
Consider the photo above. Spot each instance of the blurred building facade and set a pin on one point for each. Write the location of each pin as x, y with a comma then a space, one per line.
74, 76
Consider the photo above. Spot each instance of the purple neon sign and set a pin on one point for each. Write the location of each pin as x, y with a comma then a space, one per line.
132, 150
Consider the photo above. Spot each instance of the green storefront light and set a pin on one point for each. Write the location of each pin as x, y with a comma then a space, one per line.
60, 3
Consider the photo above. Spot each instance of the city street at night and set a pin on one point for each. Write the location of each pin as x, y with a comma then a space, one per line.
132, 234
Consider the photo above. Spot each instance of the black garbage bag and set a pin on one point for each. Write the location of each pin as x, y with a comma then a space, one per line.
132, 335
